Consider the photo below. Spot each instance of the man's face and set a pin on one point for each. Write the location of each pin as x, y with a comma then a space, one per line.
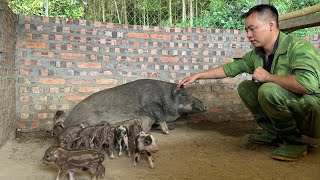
258, 32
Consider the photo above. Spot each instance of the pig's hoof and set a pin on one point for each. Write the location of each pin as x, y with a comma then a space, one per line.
111, 156
166, 132
164, 127
134, 164
120, 154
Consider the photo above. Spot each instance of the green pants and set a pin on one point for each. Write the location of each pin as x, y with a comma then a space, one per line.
280, 111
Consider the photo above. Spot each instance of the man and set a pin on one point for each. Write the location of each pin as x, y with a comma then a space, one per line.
284, 95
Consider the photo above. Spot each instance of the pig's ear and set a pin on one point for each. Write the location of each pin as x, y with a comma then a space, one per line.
56, 153
62, 125
175, 92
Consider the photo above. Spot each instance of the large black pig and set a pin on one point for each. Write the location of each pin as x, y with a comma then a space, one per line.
154, 101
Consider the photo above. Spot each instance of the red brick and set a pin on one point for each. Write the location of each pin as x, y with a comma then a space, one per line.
161, 36
138, 35
238, 53
24, 71
76, 98
226, 60
58, 37
90, 65
229, 80
216, 109
39, 45
107, 81
169, 59
71, 55
52, 81
42, 116
35, 125
89, 89
75, 81
21, 125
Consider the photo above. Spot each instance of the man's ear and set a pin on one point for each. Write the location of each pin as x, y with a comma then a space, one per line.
272, 24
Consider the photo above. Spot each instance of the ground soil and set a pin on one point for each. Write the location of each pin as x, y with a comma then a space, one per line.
203, 150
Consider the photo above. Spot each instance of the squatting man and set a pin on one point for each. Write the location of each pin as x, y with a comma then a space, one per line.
284, 95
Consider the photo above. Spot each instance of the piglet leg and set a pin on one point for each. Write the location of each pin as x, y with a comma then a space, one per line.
136, 158
61, 174
71, 175
120, 147
150, 160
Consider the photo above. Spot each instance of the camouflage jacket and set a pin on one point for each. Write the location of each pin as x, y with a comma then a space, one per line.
294, 56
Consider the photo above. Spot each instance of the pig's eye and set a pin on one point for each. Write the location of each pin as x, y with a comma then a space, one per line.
147, 143
182, 98
47, 156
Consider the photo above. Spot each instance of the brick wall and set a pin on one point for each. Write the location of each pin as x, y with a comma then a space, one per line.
62, 61
8, 121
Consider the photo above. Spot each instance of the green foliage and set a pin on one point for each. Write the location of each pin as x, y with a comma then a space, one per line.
61, 8
286, 6
227, 14
223, 14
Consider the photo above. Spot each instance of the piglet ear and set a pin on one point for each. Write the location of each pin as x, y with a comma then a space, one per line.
62, 125
56, 153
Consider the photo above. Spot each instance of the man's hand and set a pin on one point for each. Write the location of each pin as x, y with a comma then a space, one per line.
288, 82
214, 73
260, 75
188, 80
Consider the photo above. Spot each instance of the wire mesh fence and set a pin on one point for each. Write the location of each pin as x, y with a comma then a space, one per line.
144, 12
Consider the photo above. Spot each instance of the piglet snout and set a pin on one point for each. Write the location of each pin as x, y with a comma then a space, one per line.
154, 149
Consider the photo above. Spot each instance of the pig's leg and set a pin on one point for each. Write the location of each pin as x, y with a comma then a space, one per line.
61, 174
71, 175
136, 158
111, 150
101, 170
120, 146
150, 160
128, 150
156, 110
94, 173
126, 144
86, 143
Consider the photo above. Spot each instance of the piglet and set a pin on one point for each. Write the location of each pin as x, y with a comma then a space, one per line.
122, 139
71, 161
144, 142
58, 122
69, 135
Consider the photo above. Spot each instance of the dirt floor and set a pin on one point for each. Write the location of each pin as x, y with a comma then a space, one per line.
191, 151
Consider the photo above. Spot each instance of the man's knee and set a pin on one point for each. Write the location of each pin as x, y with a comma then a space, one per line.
244, 87
269, 92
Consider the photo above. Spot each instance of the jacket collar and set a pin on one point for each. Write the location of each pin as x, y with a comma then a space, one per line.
283, 44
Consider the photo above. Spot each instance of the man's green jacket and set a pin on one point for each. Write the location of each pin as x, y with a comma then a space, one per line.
294, 56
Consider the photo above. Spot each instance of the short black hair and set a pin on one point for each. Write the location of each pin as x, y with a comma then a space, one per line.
264, 11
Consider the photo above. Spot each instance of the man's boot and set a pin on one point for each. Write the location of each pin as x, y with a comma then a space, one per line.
289, 152
266, 138
292, 149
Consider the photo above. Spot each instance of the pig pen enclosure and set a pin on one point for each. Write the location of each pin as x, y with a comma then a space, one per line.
49, 64
205, 150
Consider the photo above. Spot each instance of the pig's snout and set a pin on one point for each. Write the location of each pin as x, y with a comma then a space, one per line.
154, 149
199, 107
126, 142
